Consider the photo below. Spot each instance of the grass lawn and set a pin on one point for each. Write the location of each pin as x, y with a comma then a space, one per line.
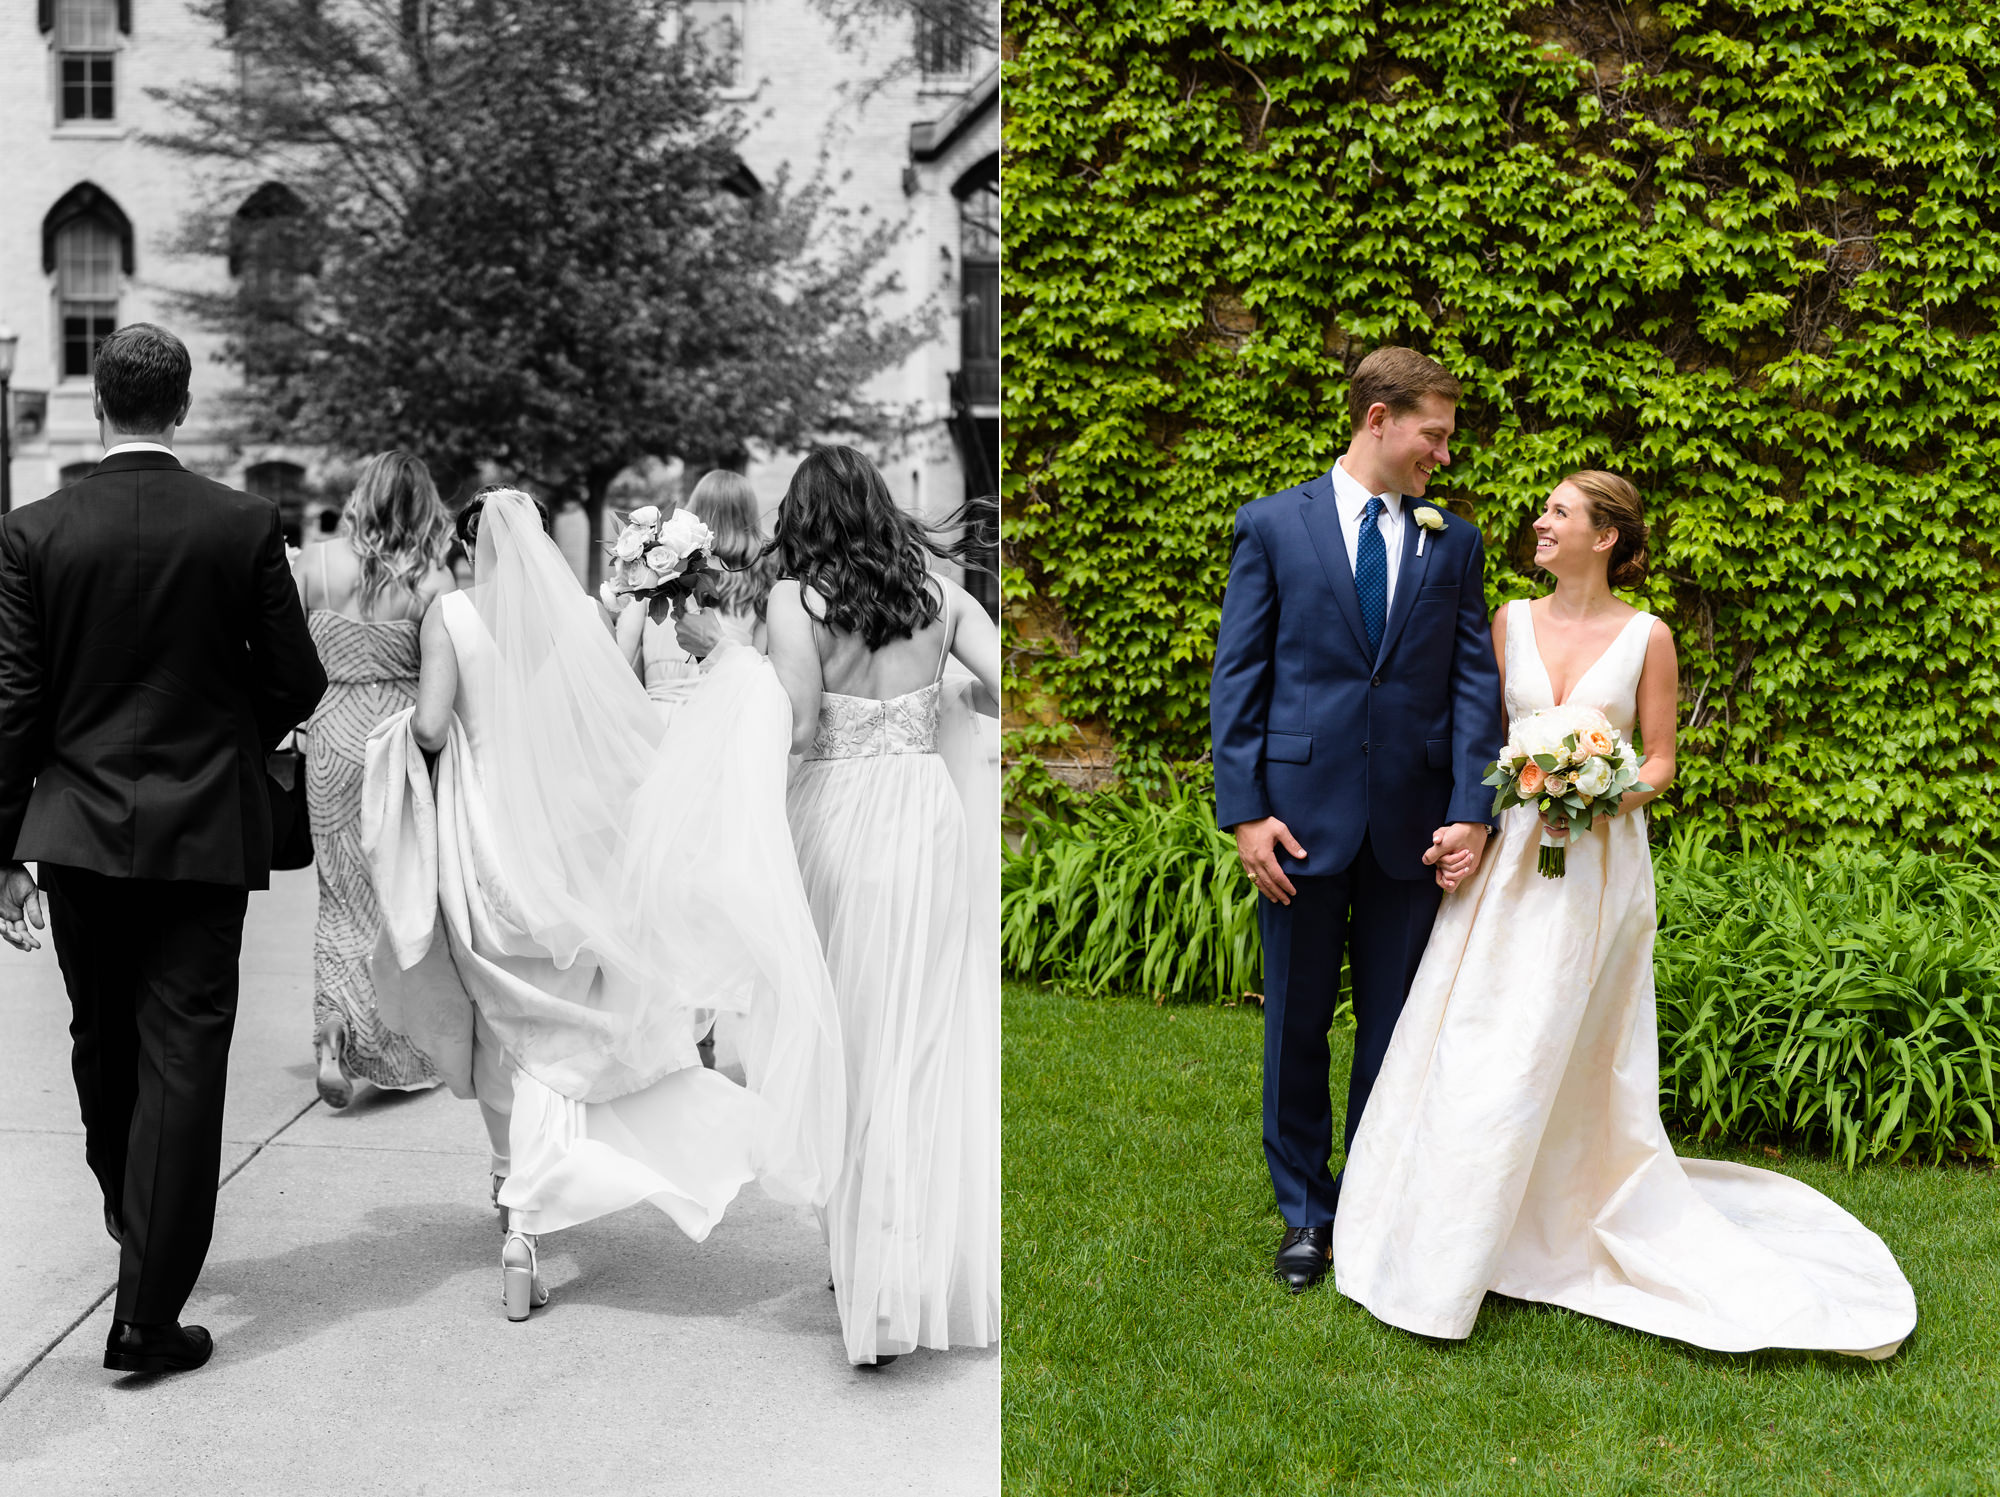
1150, 1350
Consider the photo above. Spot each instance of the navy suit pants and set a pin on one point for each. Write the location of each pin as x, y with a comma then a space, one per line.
1378, 926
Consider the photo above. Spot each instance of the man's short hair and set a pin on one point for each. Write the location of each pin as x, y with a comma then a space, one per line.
142, 377
1399, 378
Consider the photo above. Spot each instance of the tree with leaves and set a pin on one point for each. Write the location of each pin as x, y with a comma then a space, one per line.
517, 233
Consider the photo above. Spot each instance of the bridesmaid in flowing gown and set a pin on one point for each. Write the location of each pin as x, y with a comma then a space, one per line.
1513, 1142
894, 814
364, 592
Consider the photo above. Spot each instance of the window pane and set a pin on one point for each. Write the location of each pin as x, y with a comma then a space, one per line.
716, 26
87, 262
100, 87
75, 89
84, 327
941, 51
86, 25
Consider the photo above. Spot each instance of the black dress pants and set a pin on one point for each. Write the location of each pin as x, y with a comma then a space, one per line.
151, 967
1378, 926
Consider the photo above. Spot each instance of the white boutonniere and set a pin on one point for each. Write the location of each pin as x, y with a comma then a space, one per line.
1427, 519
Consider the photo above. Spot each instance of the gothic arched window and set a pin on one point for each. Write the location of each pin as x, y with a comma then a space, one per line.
87, 244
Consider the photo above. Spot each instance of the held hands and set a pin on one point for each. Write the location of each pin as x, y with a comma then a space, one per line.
21, 905
1257, 849
1455, 851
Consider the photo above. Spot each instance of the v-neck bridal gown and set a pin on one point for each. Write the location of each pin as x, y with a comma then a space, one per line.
1513, 1142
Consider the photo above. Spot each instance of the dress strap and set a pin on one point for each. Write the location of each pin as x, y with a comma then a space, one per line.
944, 617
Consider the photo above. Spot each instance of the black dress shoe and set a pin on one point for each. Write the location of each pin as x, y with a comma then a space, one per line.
1303, 1256
156, 1348
111, 1225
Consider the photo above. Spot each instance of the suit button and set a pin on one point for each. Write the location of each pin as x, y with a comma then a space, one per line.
1377, 681
1364, 746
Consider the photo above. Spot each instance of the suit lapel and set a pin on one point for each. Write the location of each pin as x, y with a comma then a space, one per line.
1409, 579
1322, 522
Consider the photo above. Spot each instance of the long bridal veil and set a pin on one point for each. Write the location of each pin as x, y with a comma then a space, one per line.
602, 880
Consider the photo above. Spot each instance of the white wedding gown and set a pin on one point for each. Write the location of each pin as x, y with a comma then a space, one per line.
1513, 1140
589, 1076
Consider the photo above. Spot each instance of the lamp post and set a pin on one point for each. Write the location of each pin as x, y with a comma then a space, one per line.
9, 341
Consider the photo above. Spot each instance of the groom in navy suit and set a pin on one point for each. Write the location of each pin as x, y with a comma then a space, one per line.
1354, 709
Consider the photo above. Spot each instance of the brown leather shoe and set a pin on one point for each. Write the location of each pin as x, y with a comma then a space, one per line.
156, 1348
1304, 1256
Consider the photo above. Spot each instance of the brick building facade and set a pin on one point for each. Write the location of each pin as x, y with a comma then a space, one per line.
908, 125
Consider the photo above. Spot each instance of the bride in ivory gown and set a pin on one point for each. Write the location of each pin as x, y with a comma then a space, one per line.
1513, 1142
578, 890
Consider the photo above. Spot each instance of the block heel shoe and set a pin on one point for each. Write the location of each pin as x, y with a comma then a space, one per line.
520, 1276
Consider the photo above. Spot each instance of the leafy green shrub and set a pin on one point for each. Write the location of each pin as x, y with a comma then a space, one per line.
1124, 892
1746, 254
1850, 1002
1842, 1001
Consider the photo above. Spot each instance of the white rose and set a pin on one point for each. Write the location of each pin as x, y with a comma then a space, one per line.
663, 560
1595, 778
631, 541
686, 534
645, 514
1555, 784
640, 576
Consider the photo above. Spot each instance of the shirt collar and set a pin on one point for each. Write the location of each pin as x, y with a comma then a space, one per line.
1353, 498
138, 447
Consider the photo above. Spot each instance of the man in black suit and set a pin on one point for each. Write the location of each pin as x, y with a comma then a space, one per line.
152, 651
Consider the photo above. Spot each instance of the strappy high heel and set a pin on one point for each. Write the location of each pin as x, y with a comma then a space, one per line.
520, 1276
336, 1088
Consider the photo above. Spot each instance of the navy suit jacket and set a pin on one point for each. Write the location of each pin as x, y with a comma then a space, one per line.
1307, 728
152, 648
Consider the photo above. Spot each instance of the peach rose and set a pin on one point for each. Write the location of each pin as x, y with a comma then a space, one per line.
1596, 742
1531, 778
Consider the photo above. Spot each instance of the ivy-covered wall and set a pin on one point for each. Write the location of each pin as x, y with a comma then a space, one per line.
1748, 255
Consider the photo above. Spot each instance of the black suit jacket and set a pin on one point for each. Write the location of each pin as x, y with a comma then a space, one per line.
152, 650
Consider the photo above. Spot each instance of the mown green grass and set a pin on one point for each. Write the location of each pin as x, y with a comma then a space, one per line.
1149, 1350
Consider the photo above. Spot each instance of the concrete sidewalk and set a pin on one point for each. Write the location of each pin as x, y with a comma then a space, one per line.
354, 1293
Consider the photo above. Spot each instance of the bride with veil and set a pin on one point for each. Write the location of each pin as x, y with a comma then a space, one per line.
572, 892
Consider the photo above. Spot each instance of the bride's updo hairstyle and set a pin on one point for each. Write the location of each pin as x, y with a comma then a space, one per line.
1615, 504
840, 534
467, 528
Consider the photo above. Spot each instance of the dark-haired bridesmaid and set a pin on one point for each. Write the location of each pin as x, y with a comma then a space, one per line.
894, 815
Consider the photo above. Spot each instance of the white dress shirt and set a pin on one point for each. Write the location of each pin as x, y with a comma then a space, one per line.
137, 447
1352, 500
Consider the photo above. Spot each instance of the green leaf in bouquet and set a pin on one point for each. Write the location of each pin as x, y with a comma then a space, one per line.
1548, 762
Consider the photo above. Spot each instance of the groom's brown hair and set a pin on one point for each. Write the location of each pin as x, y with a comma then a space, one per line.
1399, 378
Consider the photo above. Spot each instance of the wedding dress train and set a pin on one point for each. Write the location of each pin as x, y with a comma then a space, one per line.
1513, 1141
579, 889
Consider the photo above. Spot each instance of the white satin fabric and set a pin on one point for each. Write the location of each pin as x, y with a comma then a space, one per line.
1513, 1140
900, 855
575, 1021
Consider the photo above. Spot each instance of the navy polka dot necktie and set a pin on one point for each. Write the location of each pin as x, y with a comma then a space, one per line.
1371, 573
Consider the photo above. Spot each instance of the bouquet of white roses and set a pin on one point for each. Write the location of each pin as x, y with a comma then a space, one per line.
1572, 766
657, 555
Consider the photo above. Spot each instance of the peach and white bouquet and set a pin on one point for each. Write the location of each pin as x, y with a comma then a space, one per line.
657, 554
1572, 766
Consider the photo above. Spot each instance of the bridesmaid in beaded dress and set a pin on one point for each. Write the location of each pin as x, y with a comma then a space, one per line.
365, 591
894, 813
